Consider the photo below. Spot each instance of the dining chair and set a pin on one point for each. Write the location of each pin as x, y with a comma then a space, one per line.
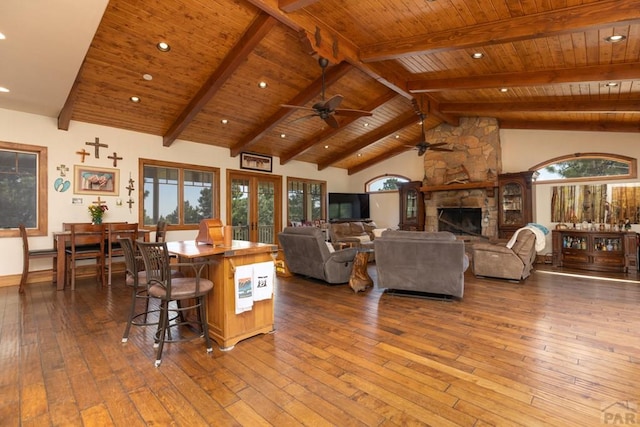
114, 249
27, 254
189, 293
87, 242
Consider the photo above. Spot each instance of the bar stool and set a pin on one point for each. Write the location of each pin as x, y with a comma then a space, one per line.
190, 293
136, 278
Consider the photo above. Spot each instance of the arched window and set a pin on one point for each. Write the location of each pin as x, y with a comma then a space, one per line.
384, 183
586, 167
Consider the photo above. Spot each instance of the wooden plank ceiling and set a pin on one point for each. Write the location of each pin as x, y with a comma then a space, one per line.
546, 64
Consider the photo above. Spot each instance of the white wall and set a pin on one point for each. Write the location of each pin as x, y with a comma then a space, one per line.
521, 149
62, 145
385, 210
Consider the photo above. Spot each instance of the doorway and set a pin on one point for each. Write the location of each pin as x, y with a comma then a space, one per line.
254, 204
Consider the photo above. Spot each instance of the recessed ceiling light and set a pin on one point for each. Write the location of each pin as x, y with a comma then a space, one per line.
504, 89
4, 89
2, 36
224, 121
611, 84
262, 85
282, 135
326, 146
147, 77
163, 47
365, 124
359, 154
477, 55
397, 136
135, 99
615, 38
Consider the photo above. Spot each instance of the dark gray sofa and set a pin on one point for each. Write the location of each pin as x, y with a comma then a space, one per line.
307, 253
421, 262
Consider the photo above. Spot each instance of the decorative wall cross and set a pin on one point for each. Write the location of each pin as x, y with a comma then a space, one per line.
130, 202
97, 146
63, 170
115, 159
84, 153
99, 202
130, 187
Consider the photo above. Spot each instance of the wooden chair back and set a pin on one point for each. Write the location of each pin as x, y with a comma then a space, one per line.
87, 241
27, 254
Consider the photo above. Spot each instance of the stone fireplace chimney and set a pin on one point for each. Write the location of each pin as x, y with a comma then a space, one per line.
476, 145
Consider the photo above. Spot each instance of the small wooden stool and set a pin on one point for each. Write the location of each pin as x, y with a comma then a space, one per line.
360, 279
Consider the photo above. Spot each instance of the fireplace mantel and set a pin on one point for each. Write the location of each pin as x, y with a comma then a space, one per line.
489, 186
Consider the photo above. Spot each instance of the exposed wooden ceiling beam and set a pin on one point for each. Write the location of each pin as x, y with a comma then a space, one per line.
593, 73
378, 159
329, 131
293, 5
332, 74
64, 117
331, 44
563, 125
564, 106
249, 40
596, 15
369, 138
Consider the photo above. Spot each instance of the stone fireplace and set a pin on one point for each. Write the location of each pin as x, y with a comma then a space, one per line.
462, 221
476, 145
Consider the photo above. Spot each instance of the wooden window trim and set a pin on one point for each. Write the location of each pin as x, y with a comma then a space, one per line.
181, 166
43, 199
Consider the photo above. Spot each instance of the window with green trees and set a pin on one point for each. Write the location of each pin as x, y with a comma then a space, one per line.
306, 200
385, 183
581, 166
180, 194
23, 188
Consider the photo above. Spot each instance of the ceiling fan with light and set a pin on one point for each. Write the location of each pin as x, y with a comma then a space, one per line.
423, 145
326, 110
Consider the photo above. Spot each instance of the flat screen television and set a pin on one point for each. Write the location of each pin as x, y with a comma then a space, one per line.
348, 206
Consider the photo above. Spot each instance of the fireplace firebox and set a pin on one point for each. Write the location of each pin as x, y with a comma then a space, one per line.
461, 221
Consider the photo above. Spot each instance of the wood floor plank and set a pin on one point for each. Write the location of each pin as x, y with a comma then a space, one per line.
553, 350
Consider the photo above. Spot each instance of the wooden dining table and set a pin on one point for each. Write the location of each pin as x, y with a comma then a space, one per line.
61, 240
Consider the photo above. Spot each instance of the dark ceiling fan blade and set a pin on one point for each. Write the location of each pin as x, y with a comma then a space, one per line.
438, 144
299, 119
352, 113
440, 149
333, 103
331, 121
297, 107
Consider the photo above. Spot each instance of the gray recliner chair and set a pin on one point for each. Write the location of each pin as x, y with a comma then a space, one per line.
307, 253
499, 261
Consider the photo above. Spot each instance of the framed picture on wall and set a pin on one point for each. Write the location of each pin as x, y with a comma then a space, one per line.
256, 162
94, 180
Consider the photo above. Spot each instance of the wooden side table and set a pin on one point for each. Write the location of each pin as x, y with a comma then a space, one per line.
360, 279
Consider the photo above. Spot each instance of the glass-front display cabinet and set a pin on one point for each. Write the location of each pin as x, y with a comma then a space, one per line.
515, 209
411, 206
595, 250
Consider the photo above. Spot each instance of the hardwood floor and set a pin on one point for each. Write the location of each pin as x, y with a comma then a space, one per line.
556, 350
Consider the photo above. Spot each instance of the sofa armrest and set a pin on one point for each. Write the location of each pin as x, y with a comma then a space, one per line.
343, 255
488, 247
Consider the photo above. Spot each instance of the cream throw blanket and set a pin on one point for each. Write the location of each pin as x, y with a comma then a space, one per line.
541, 241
